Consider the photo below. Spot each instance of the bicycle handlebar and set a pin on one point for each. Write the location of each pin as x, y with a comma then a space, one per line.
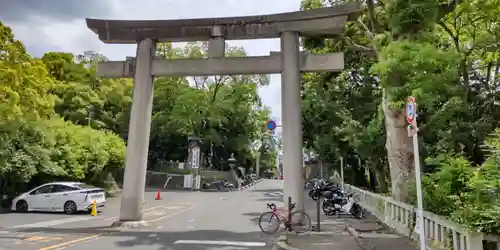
271, 205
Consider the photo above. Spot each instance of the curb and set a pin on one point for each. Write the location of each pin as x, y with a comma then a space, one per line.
251, 184
281, 244
358, 238
352, 232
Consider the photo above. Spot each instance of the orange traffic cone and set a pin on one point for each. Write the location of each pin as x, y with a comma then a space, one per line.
158, 196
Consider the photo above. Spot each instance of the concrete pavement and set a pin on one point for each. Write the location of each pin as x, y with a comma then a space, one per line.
181, 220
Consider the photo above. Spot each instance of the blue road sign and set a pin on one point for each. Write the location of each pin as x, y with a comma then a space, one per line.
410, 109
271, 125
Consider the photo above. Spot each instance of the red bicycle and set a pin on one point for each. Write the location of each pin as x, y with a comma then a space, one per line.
297, 221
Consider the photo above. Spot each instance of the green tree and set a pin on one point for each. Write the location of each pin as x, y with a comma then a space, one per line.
36, 145
26, 86
225, 111
409, 52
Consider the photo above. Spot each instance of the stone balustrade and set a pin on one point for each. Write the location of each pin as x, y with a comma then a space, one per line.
441, 233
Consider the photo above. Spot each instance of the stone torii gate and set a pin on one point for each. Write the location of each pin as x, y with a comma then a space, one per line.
290, 62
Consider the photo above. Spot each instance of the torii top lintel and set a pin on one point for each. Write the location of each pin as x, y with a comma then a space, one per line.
324, 21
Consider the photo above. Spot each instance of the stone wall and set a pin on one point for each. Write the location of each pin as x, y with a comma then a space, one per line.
158, 179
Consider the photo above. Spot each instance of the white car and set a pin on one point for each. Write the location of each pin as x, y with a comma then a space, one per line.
68, 197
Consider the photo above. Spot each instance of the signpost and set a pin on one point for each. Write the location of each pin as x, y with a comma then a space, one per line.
271, 125
411, 113
194, 160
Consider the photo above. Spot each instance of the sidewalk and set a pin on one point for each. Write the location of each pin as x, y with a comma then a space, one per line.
344, 233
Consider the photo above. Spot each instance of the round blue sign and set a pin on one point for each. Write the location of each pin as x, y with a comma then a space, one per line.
271, 125
410, 110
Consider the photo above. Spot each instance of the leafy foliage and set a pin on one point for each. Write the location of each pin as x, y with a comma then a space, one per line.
446, 54
224, 110
36, 145
59, 121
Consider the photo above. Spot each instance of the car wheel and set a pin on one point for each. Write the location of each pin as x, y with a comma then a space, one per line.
22, 206
69, 207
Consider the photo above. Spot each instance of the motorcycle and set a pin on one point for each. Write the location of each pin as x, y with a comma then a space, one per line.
219, 185
310, 183
320, 187
338, 201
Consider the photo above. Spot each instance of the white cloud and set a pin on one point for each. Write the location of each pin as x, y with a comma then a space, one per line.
53, 31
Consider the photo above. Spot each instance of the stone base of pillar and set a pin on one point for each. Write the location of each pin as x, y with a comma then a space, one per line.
129, 224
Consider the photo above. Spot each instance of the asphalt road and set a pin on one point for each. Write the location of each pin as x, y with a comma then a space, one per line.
181, 220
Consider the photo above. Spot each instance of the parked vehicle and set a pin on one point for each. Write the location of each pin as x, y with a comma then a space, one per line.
67, 197
321, 186
269, 222
336, 202
310, 183
247, 180
223, 184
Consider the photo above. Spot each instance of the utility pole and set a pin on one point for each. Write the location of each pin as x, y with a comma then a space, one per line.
257, 146
342, 173
211, 154
88, 57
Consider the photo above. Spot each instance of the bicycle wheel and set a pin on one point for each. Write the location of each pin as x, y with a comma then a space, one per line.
269, 223
301, 222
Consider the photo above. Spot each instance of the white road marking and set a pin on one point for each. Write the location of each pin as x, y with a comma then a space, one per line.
55, 222
190, 221
222, 242
158, 213
276, 194
173, 207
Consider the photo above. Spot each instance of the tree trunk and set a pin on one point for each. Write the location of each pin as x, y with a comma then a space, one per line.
380, 180
399, 150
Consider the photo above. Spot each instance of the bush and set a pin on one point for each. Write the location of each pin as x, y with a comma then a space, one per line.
46, 150
480, 210
468, 195
442, 189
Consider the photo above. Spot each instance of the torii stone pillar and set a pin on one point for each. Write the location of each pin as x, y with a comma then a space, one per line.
290, 62
138, 136
291, 119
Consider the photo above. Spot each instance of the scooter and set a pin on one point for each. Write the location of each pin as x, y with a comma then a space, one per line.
337, 202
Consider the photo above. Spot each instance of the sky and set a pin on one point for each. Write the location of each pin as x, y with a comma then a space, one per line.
59, 25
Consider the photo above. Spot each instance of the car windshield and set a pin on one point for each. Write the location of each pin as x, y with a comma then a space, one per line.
83, 186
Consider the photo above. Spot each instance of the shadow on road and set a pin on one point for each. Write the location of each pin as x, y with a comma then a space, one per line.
158, 239
272, 190
254, 217
271, 199
270, 195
